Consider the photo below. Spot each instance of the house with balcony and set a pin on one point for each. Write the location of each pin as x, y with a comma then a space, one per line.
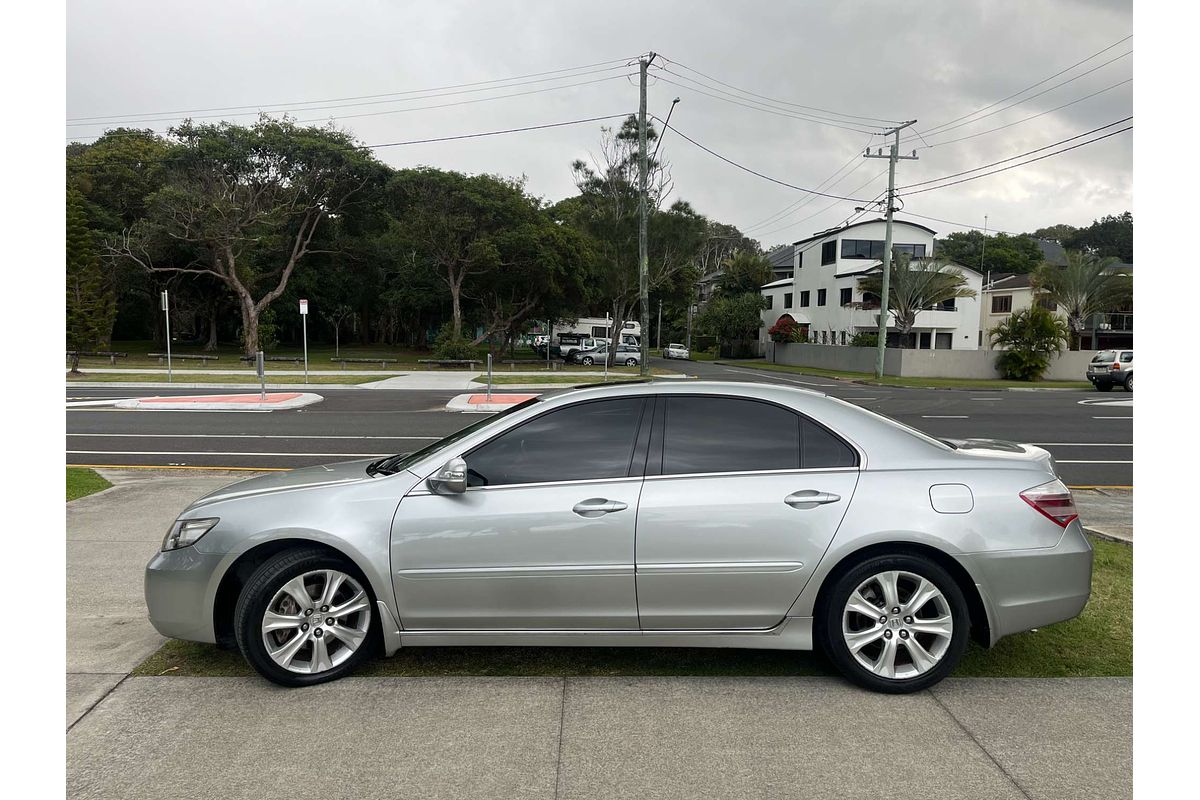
824, 294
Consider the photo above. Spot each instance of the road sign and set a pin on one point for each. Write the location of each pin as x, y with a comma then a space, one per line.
303, 306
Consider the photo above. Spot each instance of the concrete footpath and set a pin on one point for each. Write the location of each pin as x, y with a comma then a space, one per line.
443, 737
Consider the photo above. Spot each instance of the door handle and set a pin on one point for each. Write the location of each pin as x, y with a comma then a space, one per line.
598, 507
810, 498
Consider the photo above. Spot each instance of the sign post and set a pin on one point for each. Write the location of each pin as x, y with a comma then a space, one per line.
166, 309
610, 348
304, 321
489, 363
260, 368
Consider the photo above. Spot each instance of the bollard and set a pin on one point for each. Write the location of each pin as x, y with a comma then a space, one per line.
489, 393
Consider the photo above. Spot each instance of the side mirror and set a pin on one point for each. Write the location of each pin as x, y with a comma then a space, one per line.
451, 478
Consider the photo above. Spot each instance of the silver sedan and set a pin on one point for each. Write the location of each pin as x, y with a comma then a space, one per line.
765, 517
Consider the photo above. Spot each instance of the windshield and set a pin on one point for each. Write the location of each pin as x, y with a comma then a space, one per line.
393, 464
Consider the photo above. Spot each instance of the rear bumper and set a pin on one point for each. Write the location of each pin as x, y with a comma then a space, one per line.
1025, 589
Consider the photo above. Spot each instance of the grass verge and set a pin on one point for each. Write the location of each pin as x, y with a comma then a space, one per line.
569, 380
82, 482
251, 378
920, 383
1097, 643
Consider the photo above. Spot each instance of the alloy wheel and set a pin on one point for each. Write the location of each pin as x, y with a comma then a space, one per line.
897, 624
316, 621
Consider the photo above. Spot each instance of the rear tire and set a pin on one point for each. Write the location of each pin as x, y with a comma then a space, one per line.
327, 651
631, 362
587, 362
924, 633
1103, 386
1129, 383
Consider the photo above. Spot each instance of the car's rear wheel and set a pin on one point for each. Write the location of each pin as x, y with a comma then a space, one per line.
305, 617
1129, 382
586, 361
631, 362
1103, 386
895, 623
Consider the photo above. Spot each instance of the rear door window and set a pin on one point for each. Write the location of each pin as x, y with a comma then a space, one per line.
1126, 357
726, 434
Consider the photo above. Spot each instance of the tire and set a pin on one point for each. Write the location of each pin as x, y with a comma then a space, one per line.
265, 591
1129, 383
631, 362
836, 620
1103, 386
586, 361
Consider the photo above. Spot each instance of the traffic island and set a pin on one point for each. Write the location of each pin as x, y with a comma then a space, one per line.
482, 402
271, 401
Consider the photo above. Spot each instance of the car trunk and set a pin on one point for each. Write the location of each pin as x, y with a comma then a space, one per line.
1000, 449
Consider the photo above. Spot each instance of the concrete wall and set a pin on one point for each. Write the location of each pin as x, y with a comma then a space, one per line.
978, 364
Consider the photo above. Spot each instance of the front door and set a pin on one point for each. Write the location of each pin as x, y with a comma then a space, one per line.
748, 498
543, 537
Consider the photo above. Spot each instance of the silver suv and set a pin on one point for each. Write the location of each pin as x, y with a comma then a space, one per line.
1110, 368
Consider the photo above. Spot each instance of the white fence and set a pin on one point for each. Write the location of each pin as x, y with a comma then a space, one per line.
979, 364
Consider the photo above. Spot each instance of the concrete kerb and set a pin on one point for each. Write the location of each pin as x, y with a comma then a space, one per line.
275, 401
476, 401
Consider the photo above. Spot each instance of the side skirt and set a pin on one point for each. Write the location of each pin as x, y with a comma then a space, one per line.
794, 633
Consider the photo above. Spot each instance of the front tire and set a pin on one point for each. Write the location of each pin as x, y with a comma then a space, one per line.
631, 362
304, 617
894, 624
586, 361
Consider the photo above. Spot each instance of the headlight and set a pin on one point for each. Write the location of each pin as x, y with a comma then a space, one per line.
186, 532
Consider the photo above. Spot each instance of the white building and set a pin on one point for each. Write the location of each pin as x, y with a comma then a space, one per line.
825, 298
1009, 293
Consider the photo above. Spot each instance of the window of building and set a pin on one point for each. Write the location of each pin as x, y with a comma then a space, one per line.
824, 337
787, 300
1001, 303
725, 434
843, 337
829, 252
845, 295
1047, 303
820, 297
804, 299
548, 447
770, 300
914, 250
945, 305
874, 249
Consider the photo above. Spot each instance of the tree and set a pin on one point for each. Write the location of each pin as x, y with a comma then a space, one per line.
244, 205
916, 286
998, 253
335, 317
733, 317
1060, 233
744, 272
1030, 337
91, 304
1107, 237
1086, 286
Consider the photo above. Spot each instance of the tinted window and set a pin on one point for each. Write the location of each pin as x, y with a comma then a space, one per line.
804, 299
845, 296
588, 441
724, 434
823, 450
787, 300
1126, 357
820, 297
829, 252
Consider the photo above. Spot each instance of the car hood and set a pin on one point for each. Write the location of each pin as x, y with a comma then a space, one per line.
303, 478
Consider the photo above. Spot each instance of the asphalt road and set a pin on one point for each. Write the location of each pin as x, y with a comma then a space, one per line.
1089, 434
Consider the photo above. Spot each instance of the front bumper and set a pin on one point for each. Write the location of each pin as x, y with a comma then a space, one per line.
180, 592
1025, 589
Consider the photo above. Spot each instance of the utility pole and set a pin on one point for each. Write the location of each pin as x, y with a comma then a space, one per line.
884, 300
643, 254
983, 249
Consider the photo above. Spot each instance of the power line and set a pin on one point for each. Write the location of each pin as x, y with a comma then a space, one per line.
958, 224
1026, 119
854, 159
343, 99
1023, 163
873, 201
1013, 158
937, 128
726, 97
754, 172
774, 100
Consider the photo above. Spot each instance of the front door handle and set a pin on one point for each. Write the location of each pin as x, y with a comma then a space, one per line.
598, 507
810, 498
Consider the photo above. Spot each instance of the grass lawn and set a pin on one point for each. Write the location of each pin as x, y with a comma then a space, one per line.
1097, 643
82, 482
891, 380
249, 378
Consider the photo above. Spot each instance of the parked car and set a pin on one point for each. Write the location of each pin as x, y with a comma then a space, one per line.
676, 351
625, 354
766, 517
1109, 368
569, 343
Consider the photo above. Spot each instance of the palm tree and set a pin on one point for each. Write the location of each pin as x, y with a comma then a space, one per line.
914, 287
1086, 286
1029, 338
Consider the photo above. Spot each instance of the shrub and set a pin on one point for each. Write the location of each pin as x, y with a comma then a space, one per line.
865, 339
1030, 337
449, 347
786, 329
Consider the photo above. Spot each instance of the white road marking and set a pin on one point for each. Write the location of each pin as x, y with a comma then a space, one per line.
1129, 417
212, 453
237, 436
985, 398
1106, 402
860, 398
781, 378
944, 416
81, 403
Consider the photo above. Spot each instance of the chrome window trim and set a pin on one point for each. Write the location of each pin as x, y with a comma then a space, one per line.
552, 570
419, 492
719, 567
502, 486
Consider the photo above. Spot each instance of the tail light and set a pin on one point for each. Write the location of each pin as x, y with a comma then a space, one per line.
1052, 500
1116, 365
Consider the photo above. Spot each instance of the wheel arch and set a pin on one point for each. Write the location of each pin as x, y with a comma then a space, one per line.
980, 625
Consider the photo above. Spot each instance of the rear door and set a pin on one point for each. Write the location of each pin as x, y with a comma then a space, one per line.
741, 499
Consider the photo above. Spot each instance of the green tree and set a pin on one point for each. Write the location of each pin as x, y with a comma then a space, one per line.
733, 317
246, 206
744, 272
1029, 338
1056, 233
1086, 286
998, 253
916, 286
91, 304
1107, 237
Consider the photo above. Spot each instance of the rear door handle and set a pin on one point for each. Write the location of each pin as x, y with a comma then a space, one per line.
810, 498
598, 507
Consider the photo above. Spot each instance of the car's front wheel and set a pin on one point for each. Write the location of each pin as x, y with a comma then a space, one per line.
305, 617
631, 362
895, 623
586, 361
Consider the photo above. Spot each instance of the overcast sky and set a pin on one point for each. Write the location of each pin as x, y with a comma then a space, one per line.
933, 61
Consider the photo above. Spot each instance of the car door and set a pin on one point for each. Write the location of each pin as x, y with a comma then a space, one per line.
741, 499
542, 538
